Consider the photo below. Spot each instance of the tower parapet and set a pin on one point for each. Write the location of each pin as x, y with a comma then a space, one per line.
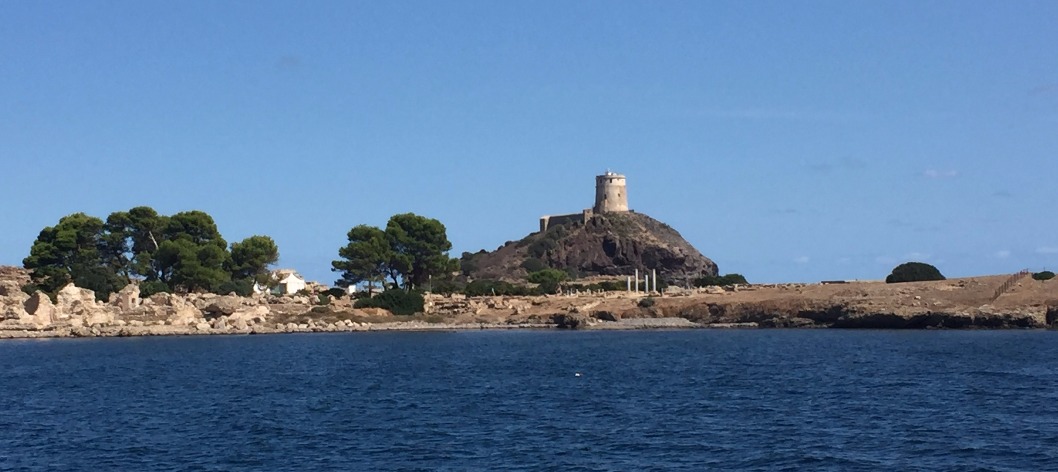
611, 193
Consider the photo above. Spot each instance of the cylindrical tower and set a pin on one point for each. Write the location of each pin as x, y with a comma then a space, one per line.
610, 193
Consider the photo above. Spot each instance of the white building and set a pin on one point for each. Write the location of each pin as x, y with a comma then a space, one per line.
362, 287
287, 282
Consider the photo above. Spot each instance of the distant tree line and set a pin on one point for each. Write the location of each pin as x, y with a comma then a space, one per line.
180, 253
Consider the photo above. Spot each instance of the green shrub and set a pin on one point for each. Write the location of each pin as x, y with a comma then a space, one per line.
30, 288
540, 248
646, 302
533, 264
336, 292
241, 287
548, 280
486, 287
467, 263
1045, 275
447, 287
729, 279
150, 288
913, 272
323, 299
547, 275
398, 302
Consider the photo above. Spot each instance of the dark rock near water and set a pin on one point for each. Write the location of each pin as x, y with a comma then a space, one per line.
569, 320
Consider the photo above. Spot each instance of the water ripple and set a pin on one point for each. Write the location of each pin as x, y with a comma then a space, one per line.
676, 400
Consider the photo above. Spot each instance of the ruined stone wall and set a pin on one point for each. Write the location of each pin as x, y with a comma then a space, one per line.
552, 220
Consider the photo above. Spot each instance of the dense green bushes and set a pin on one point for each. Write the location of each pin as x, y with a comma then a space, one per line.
607, 286
240, 287
540, 247
1045, 275
151, 287
729, 279
398, 302
481, 288
547, 280
533, 264
913, 272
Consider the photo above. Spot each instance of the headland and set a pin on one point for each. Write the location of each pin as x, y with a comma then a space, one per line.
947, 304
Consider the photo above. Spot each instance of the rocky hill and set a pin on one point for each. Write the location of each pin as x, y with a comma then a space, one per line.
609, 244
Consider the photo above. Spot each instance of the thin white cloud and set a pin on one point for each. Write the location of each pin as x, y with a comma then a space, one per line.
802, 259
940, 174
1047, 250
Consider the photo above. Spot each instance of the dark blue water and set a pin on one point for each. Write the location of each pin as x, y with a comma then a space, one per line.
676, 400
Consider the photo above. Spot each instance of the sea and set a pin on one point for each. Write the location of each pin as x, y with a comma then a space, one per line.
549, 400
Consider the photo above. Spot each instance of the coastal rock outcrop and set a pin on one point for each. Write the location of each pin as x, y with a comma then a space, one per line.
12, 301
79, 307
40, 311
570, 320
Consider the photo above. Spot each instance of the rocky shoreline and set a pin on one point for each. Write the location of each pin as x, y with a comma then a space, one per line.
12, 332
166, 330
953, 304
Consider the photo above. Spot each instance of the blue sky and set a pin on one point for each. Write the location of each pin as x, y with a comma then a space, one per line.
788, 141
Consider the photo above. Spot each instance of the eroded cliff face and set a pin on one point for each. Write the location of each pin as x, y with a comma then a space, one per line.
614, 244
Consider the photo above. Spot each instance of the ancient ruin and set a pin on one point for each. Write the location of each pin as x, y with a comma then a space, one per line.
611, 196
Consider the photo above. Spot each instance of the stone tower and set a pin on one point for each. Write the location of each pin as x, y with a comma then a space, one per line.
611, 194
